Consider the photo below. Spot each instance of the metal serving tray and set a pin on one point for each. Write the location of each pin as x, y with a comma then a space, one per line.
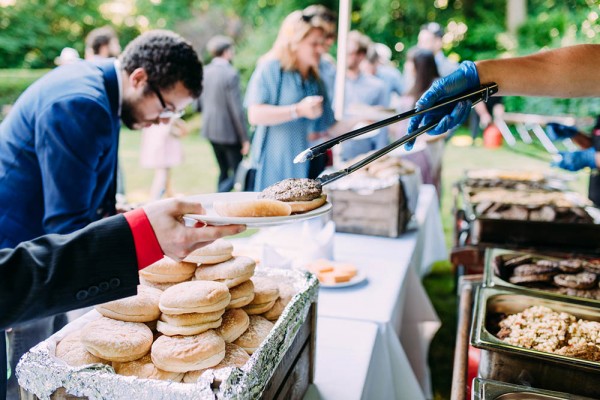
491, 279
507, 363
484, 389
525, 233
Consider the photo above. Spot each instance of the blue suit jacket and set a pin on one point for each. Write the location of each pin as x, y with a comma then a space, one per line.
58, 153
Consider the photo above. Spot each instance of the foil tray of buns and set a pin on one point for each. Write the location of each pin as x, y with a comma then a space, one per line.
568, 276
537, 341
42, 374
485, 389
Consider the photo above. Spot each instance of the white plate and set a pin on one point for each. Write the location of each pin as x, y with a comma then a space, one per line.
358, 278
212, 218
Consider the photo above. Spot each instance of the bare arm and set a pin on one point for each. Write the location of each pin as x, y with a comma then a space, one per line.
310, 107
566, 72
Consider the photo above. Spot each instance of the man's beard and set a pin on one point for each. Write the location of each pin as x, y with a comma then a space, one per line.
129, 115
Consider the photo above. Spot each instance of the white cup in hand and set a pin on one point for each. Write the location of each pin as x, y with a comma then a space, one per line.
311, 107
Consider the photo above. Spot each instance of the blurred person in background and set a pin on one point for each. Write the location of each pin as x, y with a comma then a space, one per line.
327, 64
60, 143
287, 101
428, 151
102, 43
161, 150
378, 63
577, 160
68, 55
223, 117
430, 38
362, 91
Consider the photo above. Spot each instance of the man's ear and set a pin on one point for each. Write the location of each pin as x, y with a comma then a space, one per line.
138, 77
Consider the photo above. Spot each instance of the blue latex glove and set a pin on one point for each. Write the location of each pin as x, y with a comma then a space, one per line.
461, 80
557, 131
576, 160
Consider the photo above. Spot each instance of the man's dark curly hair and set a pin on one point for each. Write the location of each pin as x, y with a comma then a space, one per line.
167, 58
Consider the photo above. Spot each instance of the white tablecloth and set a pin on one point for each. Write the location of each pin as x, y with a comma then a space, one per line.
373, 338
394, 300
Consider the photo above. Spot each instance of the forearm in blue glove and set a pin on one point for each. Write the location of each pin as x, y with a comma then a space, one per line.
576, 160
559, 131
461, 80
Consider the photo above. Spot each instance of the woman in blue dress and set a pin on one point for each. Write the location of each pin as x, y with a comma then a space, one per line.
287, 101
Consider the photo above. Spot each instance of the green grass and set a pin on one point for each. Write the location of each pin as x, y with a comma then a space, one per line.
198, 175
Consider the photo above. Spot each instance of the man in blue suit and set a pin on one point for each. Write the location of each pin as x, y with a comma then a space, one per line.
59, 143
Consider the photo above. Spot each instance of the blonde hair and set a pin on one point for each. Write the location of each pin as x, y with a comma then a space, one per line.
293, 30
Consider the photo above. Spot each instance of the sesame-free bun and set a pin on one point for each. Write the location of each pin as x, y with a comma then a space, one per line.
235, 322
257, 331
187, 330
167, 270
160, 286
143, 307
218, 251
194, 297
116, 340
235, 356
286, 292
72, 351
188, 353
266, 292
252, 208
145, 368
231, 273
299, 207
241, 294
191, 318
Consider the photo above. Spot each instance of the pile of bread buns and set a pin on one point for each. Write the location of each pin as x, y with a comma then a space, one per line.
332, 272
207, 312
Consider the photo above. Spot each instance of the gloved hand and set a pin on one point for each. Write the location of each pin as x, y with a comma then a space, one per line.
557, 131
461, 80
576, 160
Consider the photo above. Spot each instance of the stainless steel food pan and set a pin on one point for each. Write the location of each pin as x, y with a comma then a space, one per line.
490, 278
484, 389
507, 363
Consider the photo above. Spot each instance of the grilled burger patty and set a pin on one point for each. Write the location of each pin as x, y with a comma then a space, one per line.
294, 189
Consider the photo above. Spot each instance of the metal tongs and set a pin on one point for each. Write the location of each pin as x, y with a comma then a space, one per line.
481, 94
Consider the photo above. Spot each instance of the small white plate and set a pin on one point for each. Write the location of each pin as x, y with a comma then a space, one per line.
212, 218
358, 278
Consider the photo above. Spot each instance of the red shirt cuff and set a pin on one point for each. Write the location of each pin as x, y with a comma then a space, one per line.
147, 249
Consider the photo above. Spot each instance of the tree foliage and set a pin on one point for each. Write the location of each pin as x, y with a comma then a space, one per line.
33, 32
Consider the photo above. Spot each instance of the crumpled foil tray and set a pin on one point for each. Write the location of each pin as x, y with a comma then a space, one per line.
41, 373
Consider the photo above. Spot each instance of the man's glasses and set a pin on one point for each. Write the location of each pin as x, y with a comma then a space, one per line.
166, 113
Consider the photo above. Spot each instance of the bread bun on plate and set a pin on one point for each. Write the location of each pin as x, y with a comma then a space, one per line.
302, 194
252, 208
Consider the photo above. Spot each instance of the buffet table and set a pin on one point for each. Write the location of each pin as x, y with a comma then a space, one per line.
373, 338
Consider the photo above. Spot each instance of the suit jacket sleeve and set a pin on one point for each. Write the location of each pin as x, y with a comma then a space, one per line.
73, 137
236, 110
58, 273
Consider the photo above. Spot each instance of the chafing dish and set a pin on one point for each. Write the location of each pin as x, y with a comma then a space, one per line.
507, 363
484, 389
480, 229
492, 277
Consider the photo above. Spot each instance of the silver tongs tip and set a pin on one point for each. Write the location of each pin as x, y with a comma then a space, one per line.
304, 156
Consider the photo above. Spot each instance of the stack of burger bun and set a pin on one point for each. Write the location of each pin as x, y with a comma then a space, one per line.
166, 273
199, 322
289, 196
